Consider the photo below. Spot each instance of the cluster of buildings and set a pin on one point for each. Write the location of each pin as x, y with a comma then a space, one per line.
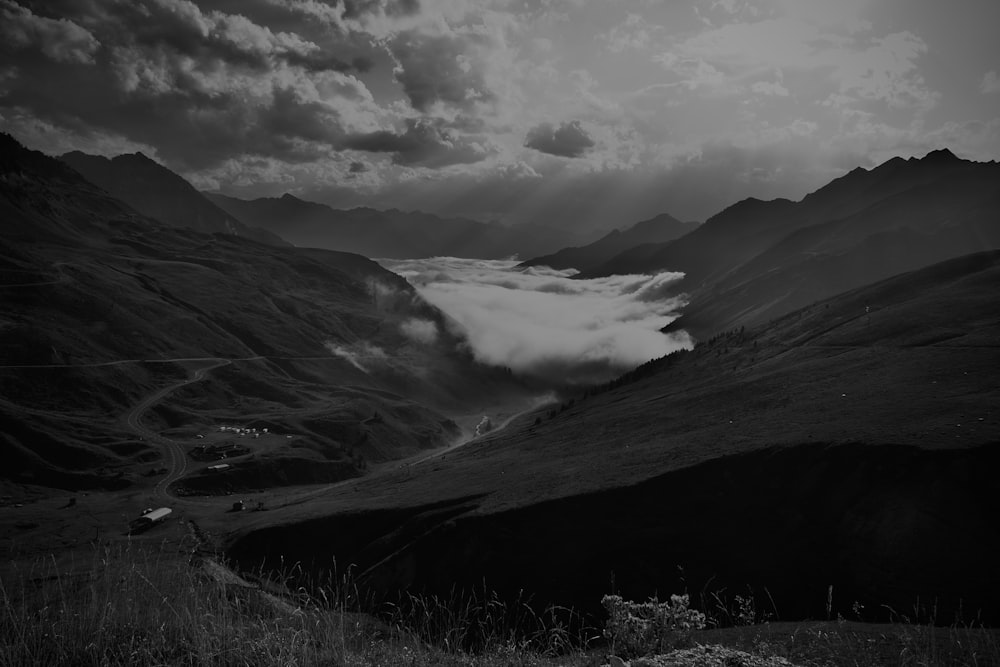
240, 431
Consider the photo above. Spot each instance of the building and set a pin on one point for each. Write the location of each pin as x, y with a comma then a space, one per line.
149, 518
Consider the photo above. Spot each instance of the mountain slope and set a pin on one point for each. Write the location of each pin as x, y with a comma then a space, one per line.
159, 193
901, 233
758, 260
660, 229
390, 234
833, 447
103, 306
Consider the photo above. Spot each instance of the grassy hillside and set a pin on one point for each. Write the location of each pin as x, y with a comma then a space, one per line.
104, 306
758, 260
829, 447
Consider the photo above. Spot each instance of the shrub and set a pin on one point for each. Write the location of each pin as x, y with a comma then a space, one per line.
640, 628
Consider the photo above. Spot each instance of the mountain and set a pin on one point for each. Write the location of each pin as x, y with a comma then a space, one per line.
757, 260
104, 307
836, 447
660, 229
157, 192
390, 234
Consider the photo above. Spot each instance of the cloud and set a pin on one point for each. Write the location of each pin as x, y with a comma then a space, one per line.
421, 331
887, 71
363, 356
567, 140
60, 40
769, 88
440, 69
696, 73
317, 61
877, 69
425, 142
990, 83
355, 9
541, 322
633, 33
201, 86
260, 97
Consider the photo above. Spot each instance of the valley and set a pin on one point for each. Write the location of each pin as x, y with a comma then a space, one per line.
749, 461
479, 333
308, 406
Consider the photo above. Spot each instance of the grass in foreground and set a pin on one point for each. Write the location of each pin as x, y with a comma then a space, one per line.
131, 605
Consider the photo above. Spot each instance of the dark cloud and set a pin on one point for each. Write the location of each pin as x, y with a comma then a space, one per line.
568, 140
320, 61
358, 168
357, 8
440, 68
425, 142
57, 39
200, 87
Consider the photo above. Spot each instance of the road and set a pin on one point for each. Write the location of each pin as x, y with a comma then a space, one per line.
173, 453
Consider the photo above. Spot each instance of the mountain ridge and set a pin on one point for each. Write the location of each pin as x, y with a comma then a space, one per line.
740, 264
392, 233
658, 229
160, 193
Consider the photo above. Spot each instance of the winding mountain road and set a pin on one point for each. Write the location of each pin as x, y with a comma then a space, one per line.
174, 454
172, 451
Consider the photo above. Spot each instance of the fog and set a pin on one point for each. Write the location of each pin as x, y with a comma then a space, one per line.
362, 356
540, 322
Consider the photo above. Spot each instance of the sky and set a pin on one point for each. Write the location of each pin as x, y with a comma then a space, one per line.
586, 113
543, 323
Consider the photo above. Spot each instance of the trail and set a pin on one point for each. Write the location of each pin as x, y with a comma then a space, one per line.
172, 451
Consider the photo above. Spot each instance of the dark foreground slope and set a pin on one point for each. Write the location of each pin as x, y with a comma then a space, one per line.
828, 449
758, 260
103, 307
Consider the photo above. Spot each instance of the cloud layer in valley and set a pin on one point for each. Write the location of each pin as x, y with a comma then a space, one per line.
541, 322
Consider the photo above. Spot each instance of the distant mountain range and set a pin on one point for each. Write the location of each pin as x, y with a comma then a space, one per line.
157, 192
660, 229
391, 234
758, 260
